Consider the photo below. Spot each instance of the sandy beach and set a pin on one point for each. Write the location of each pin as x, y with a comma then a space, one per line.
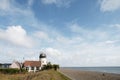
89, 75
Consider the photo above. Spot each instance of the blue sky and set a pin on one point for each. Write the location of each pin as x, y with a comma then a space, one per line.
70, 32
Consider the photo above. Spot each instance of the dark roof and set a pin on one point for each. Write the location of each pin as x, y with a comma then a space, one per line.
32, 63
5, 63
42, 55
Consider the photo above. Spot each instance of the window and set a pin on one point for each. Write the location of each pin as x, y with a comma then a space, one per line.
37, 68
32, 68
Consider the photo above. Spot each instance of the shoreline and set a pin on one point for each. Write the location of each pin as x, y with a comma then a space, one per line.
89, 75
96, 69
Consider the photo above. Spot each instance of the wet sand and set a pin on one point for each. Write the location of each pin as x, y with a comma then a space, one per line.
89, 75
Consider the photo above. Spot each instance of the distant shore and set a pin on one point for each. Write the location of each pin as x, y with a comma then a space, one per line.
89, 75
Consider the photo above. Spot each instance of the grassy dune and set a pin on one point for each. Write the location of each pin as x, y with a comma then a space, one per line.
43, 75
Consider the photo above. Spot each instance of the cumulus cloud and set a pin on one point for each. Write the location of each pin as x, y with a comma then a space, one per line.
53, 52
90, 54
77, 28
69, 41
8, 7
58, 3
90, 47
88, 34
109, 5
54, 55
111, 42
96, 47
41, 35
4, 4
16, 35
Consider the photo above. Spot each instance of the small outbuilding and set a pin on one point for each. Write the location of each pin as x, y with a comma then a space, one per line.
16, 65
5, 65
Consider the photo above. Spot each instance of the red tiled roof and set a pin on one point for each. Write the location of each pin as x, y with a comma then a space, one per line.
32, 63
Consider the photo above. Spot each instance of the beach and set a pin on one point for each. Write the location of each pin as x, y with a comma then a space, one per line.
89, 75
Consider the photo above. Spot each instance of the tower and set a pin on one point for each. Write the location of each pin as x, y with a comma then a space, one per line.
42, 59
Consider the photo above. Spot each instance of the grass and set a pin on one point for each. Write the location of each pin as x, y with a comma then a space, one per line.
42, 75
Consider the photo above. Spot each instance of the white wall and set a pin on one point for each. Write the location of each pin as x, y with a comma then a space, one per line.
14, 65
43, 61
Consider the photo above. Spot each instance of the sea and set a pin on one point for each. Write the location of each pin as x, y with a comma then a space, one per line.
98, 69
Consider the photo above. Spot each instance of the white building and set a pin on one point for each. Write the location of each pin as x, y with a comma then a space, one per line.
5, 65
42, 59
33, 66
16, 65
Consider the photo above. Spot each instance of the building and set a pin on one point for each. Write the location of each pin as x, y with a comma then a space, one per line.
5, 65
42, 59
33, 66
16, 65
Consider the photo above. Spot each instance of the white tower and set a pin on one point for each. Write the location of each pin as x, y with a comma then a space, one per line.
42, 59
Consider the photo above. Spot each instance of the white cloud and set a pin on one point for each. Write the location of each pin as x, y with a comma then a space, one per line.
79, 50
4, 4
115, 26
58, 3
88, 34
91, 54
52, 52
16, 35
86, 47
30, 2
69, 41
41, 35
89, 47
8, 7
49, 1
111, 42
76, 28
54, 55
95, 47
109, 5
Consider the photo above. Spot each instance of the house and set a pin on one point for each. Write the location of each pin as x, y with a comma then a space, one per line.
5, 65
16, 65
32, 66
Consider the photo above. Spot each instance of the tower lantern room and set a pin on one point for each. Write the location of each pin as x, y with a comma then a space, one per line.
42, 58
42, 55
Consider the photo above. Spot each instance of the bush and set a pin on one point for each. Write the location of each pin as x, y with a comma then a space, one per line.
12, 71
50, 66
46, 67
55, 66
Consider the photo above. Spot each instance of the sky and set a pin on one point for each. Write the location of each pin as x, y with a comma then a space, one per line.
77, 33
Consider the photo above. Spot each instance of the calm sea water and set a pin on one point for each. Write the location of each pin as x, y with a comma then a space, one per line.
99, 69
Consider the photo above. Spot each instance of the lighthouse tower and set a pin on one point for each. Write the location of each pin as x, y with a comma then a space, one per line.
42, 59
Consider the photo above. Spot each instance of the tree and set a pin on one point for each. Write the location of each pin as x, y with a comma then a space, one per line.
48, 66
56, 66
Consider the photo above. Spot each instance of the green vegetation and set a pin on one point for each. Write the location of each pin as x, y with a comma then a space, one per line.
55, 66
42, 75
50, 66
49, 72
12, 71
